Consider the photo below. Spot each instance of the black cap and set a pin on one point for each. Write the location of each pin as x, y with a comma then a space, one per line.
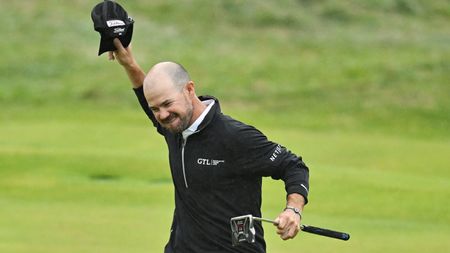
111, 21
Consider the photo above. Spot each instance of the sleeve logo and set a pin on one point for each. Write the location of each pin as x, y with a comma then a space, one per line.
276, 153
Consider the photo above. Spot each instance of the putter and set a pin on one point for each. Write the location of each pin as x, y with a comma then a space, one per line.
243, 229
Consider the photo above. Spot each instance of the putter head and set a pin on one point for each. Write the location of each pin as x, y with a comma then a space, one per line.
242, 229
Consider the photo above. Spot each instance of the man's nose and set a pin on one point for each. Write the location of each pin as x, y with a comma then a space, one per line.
163, 114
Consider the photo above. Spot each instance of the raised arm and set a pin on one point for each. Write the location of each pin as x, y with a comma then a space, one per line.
125, 58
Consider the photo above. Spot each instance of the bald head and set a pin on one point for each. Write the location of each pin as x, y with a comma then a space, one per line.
171, 97
166, 74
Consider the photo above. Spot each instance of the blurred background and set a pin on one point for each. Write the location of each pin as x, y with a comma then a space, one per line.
359, 89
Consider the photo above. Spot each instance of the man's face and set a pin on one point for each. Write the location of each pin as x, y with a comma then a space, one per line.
172, 108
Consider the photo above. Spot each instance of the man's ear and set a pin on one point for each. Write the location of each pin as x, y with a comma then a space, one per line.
190, 87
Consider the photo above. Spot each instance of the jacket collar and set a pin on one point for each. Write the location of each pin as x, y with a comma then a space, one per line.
214, 110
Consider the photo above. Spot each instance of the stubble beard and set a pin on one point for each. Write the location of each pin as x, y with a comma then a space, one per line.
184, 121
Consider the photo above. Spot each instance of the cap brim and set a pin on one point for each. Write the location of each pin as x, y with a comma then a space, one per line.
107, 44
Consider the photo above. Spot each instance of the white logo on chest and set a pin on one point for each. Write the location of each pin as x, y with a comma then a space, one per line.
209, 162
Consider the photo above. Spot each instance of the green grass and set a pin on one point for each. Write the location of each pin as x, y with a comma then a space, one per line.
360, 89
382, 64
389, 192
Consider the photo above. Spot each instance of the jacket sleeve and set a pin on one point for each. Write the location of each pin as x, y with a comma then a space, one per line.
262, 157
143, 102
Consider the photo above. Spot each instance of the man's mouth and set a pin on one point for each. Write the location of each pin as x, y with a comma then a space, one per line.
169, 119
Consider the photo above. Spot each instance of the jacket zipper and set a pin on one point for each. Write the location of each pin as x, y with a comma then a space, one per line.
182, 162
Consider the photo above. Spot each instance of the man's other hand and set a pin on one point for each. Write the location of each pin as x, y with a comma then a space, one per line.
288, 224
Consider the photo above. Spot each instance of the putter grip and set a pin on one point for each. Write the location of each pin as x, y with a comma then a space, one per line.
326, 232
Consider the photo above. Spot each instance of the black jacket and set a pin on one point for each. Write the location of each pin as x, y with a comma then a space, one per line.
217, 174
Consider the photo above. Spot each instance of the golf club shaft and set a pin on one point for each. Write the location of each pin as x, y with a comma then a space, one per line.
314, 230
265, 220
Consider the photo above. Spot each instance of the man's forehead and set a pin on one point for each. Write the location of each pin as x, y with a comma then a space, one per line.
158, 82
158, 98
159, 88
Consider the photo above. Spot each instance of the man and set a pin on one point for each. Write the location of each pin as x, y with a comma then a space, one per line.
217, 163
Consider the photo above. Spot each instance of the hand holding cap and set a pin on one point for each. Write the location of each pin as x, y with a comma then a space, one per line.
112, 21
